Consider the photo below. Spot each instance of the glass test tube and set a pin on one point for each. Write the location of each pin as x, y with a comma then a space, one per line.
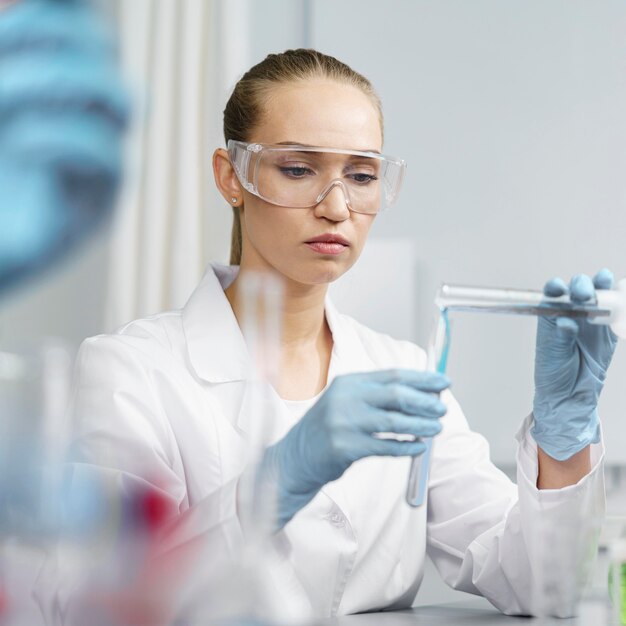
436, 361
258, 589
262, 296
519, 302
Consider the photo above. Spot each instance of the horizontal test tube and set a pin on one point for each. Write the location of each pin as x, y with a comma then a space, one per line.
517, 302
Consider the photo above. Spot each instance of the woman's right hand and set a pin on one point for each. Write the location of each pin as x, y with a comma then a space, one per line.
342, 427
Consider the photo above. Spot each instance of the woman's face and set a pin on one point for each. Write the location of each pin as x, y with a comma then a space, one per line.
316, 113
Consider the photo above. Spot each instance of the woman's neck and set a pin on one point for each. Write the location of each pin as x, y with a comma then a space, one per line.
306, 340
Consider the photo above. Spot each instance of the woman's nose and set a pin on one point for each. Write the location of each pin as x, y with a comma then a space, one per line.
334, 204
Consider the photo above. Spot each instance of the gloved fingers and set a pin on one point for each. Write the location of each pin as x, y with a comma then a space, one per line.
603, 279
401, 424
581, 288
555, 287
391, 447
397, 397
416, 379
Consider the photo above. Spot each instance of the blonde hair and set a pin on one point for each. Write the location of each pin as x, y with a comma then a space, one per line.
245, 106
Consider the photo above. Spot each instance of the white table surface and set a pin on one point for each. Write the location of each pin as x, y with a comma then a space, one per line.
594, 611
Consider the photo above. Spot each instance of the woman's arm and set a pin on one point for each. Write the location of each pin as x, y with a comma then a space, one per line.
553, 474
488, 537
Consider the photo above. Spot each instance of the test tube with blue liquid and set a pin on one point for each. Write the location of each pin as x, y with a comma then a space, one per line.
608, 308
436, 361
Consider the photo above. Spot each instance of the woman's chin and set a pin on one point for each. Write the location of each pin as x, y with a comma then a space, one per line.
320, 274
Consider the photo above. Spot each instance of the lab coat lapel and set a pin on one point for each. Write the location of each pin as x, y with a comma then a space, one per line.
349, 352
219, 355
216, 347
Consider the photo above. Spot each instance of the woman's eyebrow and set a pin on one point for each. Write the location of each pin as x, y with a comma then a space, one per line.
306, 145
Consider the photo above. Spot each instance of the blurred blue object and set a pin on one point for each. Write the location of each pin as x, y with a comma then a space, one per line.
63, 112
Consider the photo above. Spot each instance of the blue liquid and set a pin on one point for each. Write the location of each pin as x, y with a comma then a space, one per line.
442, 361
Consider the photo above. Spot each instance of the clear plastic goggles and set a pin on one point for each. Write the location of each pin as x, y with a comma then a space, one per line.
302, 176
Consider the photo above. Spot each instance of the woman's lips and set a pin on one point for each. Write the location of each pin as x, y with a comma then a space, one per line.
328, 244
326, 247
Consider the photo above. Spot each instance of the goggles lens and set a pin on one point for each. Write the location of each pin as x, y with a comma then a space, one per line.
301, 176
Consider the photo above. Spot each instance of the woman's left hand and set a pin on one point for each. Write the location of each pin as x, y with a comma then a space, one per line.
571, 361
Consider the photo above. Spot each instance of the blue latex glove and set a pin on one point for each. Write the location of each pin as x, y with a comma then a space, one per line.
63, 110
571, 361
339, 430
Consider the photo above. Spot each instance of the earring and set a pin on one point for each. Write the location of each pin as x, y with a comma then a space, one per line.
233, 200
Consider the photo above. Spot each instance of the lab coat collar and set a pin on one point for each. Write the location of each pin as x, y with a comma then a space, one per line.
349, 353
215, 343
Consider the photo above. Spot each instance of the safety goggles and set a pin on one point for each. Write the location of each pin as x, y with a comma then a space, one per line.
302, 176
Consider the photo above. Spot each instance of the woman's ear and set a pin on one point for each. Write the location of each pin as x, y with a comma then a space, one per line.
226, 179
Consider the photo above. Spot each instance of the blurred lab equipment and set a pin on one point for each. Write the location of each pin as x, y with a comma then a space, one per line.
557, 588
257, 586
118, 570
34, 388
611, 571
617, 579
250, 589
63, 111
262, 297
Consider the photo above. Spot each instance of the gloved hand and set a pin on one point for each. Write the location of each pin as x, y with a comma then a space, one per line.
63, 110
571, 361
339, 430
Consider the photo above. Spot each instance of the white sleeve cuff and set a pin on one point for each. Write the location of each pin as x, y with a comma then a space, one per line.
527, 464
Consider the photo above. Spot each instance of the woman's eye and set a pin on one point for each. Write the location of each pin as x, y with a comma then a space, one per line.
295, 171
363, 178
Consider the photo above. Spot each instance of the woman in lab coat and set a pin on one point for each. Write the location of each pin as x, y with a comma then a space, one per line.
168, 402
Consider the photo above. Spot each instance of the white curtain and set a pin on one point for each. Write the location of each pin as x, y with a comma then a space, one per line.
181, 61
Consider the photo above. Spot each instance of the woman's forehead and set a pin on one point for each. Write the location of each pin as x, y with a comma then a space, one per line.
319, 113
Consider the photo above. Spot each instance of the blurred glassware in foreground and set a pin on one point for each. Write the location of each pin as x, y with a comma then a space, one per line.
563, 576
34, 387
259, 586
63, 111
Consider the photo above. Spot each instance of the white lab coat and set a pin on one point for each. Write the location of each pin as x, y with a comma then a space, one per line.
165, 400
